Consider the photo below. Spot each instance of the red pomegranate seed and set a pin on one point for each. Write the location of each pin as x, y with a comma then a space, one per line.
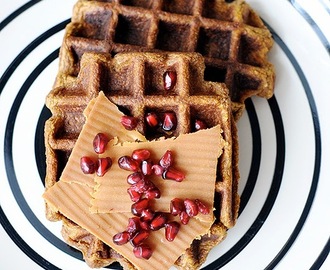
139, 238
157, 169
147, 215
176, 206
133, 194
173, 174
158, 222
146, 167
199, 124
190, 207
141, 154
170, 121
133, 225
137, 207
144, 225
121, 238
152, 119
169, 80
103, 165
143, 185
128, 164
142, 251
134, 178
184, 218
100, 142
87, 165
129, 122
171, 230
152, 193
166, 160
202, 208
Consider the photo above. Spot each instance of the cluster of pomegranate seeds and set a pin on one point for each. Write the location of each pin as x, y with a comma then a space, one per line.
129, 122
166, 121
169, 78
142, 191
101, 165
187, 208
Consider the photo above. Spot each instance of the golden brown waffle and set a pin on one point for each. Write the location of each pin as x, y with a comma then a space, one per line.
231, 37
134, 82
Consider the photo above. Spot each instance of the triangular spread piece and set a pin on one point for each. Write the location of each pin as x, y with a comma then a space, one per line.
72, 200
103, 116
195, 154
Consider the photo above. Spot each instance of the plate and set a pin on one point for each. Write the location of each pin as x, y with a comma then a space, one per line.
284, 218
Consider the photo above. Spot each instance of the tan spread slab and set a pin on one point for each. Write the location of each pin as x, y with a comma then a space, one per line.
103, 116
195, 154
72, 200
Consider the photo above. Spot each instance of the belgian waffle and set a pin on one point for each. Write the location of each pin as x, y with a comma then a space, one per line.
229, 34
134, 82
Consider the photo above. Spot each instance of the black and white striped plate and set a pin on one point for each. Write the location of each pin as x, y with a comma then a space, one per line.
284, 220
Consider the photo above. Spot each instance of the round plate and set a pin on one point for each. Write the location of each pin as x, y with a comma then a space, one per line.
284, 143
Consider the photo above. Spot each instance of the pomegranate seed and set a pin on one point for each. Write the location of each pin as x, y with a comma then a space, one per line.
176, 206
146, 167
121, 238
147, 215
166, 160
87, 165
158, 222
133, 194
141, 154
152, 119
191, 207
100, 142
134, 178
139, 238
169, 80
137, 207
171, 230
169, 122
157, 169
143, 185
184, 217
103, 165
199, 124
129, 122
202, 208
133, 225
128, 164
152, 193
144, 225
173, 174
142, 251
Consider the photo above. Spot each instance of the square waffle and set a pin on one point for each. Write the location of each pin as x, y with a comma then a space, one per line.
134, 82
229, 34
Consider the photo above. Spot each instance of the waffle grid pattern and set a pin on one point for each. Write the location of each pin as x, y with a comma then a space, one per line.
231, 37
191, 98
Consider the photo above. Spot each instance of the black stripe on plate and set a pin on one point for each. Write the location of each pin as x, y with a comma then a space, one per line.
27, 50
10, 170
256, 155
322, 257
17, 12
318, 148
312, 23
23, 245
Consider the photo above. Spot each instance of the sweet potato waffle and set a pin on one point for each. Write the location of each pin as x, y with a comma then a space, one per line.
229, 34
134, 82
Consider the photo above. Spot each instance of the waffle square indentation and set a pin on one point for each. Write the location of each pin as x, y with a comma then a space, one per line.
132, 30
172, 36
179, 6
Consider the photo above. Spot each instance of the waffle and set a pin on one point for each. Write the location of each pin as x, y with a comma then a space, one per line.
231, 37
134, 82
